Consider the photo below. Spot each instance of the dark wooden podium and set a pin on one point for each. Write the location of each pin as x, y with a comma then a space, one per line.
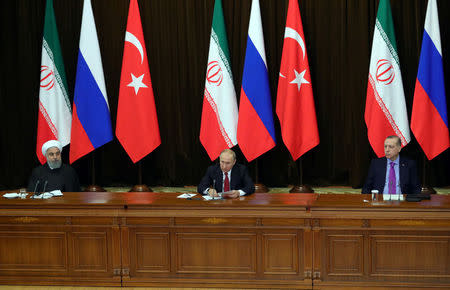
301, 241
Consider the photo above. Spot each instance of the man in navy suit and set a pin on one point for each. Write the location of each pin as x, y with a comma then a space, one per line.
227, 176
392, 174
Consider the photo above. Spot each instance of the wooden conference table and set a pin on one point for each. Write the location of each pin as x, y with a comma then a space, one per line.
304, 241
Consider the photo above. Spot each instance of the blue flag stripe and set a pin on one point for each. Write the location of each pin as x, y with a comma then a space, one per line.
255, 83
430, 75
92, 110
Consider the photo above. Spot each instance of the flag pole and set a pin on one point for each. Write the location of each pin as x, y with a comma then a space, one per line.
93, 187
300, 188
259, 187
140, 187
426, 188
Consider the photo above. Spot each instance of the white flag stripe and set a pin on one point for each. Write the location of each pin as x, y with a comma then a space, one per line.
433, 30
255, 31
224, 96
392, 95
90, 48
58, 113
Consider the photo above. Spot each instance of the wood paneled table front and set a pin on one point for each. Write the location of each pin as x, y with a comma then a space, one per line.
301, 241
156, 239
360, 243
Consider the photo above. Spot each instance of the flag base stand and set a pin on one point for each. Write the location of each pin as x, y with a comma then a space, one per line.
301, 189
427, 190
261, 188
94, 188
141, 188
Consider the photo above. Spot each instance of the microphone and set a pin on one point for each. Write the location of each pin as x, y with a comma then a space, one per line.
45, 185
35, 187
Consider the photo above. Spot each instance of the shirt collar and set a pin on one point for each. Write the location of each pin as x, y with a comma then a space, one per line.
229, 173
396, 161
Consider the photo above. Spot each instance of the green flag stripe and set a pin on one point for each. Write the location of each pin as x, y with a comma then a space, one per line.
384, 18
389, 44
59, 79
218, 26
51, 45
222, 55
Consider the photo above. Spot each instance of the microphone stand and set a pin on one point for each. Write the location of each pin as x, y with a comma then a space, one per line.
35, 193
45, 185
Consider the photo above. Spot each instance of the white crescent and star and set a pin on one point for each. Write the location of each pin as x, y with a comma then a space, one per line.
135, 41
136, 82
299, 77
292, 33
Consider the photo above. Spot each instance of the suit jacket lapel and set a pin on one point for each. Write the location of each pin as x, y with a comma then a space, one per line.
218, 177
234, 177
385, 171
401, 169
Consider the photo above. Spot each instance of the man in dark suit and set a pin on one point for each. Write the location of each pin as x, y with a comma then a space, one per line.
392, 174
227, 176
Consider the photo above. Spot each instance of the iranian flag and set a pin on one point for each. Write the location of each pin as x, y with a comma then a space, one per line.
220, 112
385, 113
55, 113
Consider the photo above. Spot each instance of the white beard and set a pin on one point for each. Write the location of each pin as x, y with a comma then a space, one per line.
55, 164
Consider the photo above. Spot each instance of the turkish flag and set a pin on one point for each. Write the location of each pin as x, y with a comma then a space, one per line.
137, 123
295, 102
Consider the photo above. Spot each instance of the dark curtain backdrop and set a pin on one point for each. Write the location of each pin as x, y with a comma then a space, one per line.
338, 36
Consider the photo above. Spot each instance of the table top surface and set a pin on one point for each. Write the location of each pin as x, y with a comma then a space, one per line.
258, 200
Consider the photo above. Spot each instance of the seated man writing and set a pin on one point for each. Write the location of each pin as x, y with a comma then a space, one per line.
392, 174
53, 174
227, 176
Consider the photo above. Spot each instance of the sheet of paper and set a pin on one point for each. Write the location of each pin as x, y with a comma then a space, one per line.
186, 195
11, 195
56, 192
207, 197
45, 195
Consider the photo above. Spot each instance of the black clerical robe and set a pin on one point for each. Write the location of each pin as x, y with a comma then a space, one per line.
64, 178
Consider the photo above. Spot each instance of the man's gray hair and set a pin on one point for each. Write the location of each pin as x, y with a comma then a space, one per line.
229, 151
399, 142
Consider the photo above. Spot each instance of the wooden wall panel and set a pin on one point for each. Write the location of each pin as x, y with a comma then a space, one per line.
90, 252
233, 253
152, 253
344, 254
33, 253
409, 255
281, 254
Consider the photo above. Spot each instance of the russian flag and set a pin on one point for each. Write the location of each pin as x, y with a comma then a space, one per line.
429, 121
255, 132
91, 121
